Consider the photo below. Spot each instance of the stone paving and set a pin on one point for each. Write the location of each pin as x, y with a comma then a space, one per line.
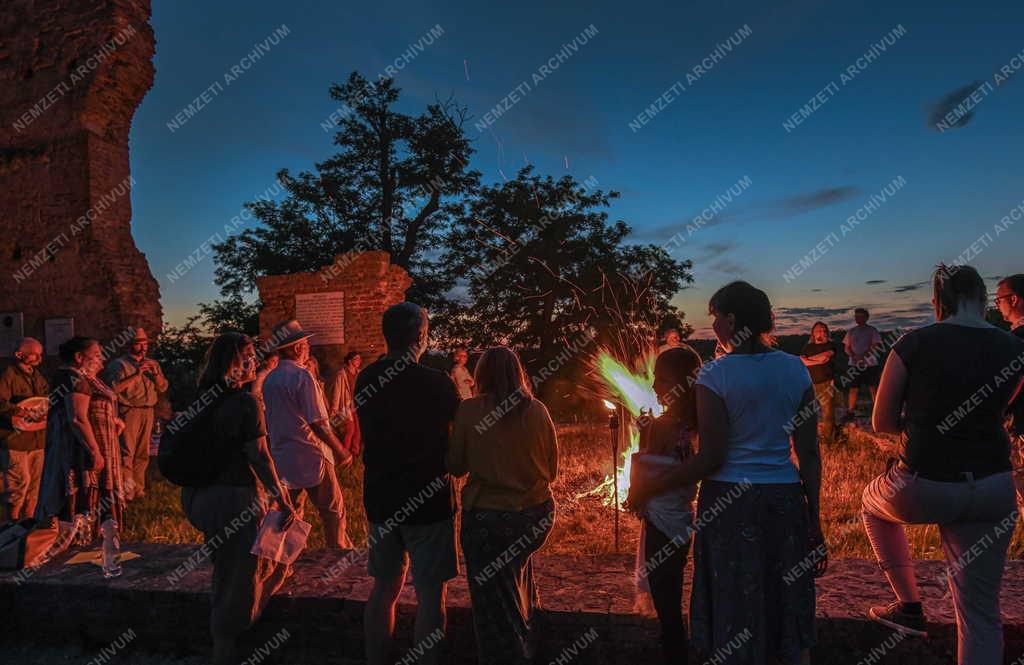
322, 609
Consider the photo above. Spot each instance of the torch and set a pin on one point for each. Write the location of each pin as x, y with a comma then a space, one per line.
613, 427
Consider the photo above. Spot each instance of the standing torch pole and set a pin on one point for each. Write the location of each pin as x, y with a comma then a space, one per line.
613, 427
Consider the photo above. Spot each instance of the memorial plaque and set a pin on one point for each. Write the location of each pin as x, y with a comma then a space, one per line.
12, 328
58, 331
323, 314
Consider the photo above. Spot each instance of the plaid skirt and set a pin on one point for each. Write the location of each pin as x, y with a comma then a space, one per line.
498, 546
752, 602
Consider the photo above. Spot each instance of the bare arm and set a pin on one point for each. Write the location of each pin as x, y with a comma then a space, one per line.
457, 445
808, 455
337, 387
892, 388
83, 428
805, 445
817, 358
323, 430
713, 428
258, 454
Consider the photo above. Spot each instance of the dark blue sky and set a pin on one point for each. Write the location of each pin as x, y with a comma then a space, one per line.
710, 133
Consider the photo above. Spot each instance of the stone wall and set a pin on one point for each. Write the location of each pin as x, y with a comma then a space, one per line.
71, 76
588, 615
371, 284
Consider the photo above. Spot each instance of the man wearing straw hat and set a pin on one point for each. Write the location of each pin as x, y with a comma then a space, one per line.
138, 382
302, 442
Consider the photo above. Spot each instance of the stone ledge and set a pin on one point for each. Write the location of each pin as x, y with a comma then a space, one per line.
324, 619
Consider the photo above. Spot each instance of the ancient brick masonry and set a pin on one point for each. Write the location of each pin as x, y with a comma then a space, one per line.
371, 284
72, 73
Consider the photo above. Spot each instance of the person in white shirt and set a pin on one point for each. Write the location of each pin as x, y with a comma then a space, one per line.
343, 404
863, 345
755, 416
302, 442
460, 375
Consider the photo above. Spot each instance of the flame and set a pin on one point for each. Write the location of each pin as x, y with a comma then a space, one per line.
630, 388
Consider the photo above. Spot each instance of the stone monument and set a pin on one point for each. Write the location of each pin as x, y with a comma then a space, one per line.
342, 303
71, 76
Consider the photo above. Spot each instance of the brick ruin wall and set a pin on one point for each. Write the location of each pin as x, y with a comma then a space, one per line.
370, 284
71, 76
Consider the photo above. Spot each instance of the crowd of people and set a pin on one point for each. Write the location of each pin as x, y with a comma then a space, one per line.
737, 439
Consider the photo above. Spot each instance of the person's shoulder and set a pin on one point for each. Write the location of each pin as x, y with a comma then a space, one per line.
538, 409
783, 357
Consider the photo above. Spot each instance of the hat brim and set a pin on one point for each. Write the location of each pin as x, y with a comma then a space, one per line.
292, 340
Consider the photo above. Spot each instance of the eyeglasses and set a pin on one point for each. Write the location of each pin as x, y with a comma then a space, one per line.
1003, 297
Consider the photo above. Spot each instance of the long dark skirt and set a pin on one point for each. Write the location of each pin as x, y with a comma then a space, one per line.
752, 601
498, 546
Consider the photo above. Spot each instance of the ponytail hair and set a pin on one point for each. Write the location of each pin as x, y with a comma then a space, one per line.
751, 309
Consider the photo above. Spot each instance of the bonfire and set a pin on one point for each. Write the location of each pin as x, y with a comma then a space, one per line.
624, 387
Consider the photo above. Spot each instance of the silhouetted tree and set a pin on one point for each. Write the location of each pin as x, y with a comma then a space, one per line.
395, 185
541, 263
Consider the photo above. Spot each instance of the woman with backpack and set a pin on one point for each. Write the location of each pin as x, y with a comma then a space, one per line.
233, 490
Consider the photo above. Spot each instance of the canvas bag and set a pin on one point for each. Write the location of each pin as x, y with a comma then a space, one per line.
22, 544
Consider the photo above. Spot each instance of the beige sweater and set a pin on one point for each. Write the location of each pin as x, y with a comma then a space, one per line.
511, 462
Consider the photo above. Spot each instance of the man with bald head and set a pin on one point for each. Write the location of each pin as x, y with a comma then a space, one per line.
23, 406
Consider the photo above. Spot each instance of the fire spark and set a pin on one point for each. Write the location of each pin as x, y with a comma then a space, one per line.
628, 389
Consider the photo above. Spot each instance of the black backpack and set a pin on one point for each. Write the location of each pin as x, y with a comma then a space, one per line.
191, 454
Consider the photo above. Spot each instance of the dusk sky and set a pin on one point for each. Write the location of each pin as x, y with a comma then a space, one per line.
879, 71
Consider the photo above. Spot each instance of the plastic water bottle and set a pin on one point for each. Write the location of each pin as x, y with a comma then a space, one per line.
111, 549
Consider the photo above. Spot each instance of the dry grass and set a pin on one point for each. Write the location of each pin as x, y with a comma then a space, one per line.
585, 526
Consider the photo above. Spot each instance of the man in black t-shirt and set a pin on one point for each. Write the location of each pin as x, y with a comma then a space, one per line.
819, 355
405, 413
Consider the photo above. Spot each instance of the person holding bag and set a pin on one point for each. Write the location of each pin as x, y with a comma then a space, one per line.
229, 508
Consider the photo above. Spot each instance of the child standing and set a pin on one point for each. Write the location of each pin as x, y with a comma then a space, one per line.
667, 519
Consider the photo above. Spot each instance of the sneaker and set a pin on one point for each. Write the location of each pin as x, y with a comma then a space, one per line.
893, 617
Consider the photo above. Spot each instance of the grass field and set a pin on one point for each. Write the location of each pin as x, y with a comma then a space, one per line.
585, 526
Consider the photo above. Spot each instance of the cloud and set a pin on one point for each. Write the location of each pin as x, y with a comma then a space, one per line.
715, 249
876, 281
939, 109
728, 267
903, 288
819, 312
822, 198
785, 208
817, 290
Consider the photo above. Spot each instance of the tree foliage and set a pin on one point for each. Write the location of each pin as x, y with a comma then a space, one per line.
395, 184
542, 264
531, 262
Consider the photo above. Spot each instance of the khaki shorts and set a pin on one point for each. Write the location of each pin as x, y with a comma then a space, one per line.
430, 547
